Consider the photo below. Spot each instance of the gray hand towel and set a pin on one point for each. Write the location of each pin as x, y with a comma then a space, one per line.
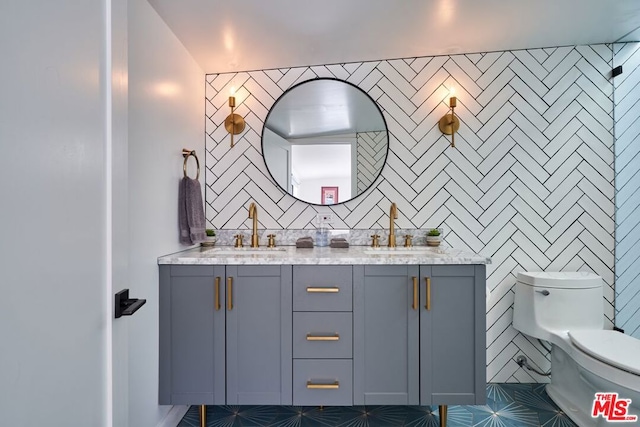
304, 242
183, 224
339, 242
191, 212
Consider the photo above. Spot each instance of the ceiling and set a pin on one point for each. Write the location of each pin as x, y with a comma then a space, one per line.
324, 107
243, 35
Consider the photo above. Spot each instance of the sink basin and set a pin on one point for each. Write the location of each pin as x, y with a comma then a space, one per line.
422, 251
246, 251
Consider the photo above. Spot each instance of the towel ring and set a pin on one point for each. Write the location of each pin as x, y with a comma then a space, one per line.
186, 153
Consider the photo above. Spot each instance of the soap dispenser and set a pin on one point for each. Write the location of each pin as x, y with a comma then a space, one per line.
322, 234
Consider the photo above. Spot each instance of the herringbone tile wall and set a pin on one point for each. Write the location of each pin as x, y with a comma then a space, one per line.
627, 131
371, 151
530, 182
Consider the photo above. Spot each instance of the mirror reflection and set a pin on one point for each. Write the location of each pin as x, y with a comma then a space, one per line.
325, 141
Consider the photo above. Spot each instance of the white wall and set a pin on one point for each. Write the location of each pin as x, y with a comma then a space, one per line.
53, 309
166, 105
277, 155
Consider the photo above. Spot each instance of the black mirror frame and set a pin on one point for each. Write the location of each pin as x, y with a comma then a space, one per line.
386, 156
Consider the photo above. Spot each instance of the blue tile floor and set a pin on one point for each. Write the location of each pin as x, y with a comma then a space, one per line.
508, 405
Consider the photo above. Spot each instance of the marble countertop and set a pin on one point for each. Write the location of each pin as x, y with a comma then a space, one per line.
284, 255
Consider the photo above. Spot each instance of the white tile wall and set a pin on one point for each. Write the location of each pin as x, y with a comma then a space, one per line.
627, 130
371, 152
530, 182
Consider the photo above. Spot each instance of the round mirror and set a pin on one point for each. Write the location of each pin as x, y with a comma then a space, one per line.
325, 141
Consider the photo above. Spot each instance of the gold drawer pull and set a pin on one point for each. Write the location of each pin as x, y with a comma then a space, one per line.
332, 386
316, 290
428, 305
230, 293
415, 293
217, 295
335, 337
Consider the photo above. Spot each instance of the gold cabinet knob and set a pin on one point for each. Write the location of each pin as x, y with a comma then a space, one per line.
375, 243
239, 240
272, 241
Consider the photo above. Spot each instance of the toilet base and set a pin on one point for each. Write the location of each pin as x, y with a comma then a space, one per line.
569, 407
573, 389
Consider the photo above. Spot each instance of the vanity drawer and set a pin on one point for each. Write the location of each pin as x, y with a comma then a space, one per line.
322, 382
319, 335
322, 288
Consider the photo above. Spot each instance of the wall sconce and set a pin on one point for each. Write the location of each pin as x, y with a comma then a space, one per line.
449, 123
234, 123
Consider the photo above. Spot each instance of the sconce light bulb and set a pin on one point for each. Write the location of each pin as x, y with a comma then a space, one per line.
232, 91
452, 91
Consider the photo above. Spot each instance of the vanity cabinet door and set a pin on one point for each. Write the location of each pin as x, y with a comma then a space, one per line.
259, 331
385, 335
452, 335
192, 335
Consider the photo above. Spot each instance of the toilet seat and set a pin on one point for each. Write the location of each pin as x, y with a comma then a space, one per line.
610, 347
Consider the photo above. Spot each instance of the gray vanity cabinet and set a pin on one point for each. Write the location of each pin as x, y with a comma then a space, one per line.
192, 335
386, 335
419, 335
259, 329
225, 335
452, 335
322, 335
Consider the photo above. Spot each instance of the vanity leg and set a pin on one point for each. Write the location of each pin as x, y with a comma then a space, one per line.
203, 415
442, 410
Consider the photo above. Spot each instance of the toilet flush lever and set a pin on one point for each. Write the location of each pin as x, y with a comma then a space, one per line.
545, 292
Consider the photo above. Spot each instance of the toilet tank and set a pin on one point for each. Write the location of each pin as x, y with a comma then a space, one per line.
557, 301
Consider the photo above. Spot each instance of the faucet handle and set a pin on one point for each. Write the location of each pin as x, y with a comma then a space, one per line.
272, 241
375, 243
239, 240
407, 240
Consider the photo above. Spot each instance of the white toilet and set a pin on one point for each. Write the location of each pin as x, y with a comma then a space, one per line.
566, 309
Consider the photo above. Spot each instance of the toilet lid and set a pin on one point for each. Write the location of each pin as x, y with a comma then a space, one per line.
611, 347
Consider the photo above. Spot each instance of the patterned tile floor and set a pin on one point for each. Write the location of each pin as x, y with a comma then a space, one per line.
508, 405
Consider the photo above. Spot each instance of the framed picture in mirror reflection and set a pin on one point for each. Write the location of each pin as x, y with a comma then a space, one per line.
329, 195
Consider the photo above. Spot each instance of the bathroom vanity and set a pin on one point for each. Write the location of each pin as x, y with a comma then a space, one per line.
322, 326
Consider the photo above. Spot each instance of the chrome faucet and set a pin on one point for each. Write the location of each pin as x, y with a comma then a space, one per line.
393, 214
253, 213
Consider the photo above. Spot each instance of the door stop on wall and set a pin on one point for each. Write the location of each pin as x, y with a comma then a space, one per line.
125, 306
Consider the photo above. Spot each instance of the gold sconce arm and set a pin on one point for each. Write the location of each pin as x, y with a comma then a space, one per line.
449, 123
234, 123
